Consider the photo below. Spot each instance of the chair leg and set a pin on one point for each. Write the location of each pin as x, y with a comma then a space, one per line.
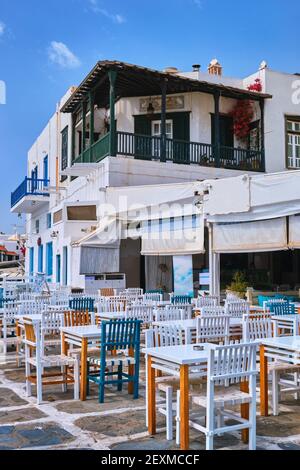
76, 379
178, 418
169, 413
120, 377
101, 385
39, 384
64, 376
87, 379
27, 373
275, 392
252, 423
209, 442
136, 382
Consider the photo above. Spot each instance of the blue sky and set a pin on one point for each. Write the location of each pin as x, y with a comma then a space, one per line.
46, 46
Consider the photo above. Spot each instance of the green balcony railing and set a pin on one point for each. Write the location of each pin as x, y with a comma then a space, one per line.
96, 152
145, 147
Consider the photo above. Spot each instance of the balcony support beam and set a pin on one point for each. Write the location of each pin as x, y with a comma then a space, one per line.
112, 75
92, 121
163, 150
217, 143
83, 107
73, 156
262, 133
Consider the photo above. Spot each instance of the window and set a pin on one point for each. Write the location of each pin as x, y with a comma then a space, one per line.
58, 269
65, 265
156, 132
37, 226
64, 150
293, 142
57, 216
82, 213
49, 220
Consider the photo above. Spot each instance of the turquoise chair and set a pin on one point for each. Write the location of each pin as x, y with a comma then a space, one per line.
117, 336
82, 304
281, 308
155, 291
264, 298
181, 299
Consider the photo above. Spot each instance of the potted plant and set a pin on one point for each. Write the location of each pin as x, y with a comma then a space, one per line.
238, 286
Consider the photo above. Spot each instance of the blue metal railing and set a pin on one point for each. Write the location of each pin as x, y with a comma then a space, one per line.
30, 186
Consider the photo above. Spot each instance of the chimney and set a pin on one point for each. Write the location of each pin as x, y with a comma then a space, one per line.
215, 68
196, 67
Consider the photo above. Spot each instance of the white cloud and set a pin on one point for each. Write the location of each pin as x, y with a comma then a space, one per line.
60, 54
2, 28
96, 8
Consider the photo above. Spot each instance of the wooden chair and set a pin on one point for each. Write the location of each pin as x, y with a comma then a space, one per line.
227, 365
206, 301
8, 325
107, 292
72, 318
155, 297
213, 329
237, 308
122, 337
169, 314
35, 358
140, 312
212, 311
82, 304
180, 299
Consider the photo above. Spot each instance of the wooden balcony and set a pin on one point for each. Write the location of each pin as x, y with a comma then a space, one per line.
149, 148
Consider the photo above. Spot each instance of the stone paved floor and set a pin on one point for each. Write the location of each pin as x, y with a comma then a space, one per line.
119, 424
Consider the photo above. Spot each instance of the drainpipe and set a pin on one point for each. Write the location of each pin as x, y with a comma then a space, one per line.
211, 260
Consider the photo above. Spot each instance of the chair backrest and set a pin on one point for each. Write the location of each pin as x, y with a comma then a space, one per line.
5, 300
231, 364
140, 312
206, 301
107, 292
169, 314
76, 318
237, 308
112, 304
214, 329
168, 335
81, 304
187, 309
281, 308
134, 291
153, 297
180, 299
10, 310
119, 335
257, 326
52, 321
213, 311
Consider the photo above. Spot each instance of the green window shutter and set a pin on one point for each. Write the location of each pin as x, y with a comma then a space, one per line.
181, 126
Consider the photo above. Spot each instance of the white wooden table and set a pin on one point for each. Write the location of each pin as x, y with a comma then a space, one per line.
177, 360
286, 349
81, 336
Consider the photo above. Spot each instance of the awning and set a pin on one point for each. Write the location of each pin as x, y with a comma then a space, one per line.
107, 234
245, 237
294, 232
99, 260
167, 239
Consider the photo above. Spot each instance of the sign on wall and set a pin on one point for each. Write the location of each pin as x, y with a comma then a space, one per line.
183, 275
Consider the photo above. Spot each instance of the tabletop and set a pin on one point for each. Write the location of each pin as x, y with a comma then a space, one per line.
285, 342
111, 315
286, 317
182, 355
89, 331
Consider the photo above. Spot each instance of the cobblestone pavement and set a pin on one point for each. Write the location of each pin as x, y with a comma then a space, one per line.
119, 424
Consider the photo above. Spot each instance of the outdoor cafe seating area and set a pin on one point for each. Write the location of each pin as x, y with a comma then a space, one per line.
199, 365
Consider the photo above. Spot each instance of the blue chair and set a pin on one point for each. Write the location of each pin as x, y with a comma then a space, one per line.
3, 301
117, 336
181, 299
264, 298
281, 308
82, 304
155, 291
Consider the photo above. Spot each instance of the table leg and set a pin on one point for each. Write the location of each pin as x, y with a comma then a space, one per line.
83, 365
264, 404
245, 412
151, 398
64, 345
184, 408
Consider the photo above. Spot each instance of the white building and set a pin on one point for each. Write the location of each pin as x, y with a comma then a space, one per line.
150, 128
